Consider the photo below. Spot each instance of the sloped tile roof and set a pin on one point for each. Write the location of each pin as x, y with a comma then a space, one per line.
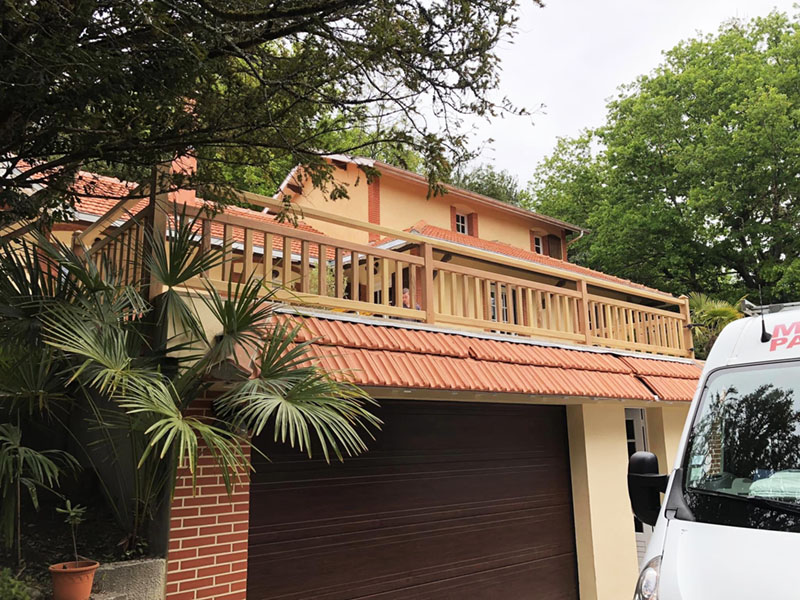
388, 355
97, 194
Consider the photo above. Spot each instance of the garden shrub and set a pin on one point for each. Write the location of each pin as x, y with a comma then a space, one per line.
12, 588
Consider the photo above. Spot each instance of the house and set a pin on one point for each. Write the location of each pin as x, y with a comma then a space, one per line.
513, 385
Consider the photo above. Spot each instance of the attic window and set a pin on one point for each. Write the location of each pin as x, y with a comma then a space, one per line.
462, 223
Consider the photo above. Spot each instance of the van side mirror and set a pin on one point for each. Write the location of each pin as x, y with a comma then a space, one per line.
645, 486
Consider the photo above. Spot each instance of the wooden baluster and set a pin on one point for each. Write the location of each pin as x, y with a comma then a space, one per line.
609, 325
227, 253
487, 299
385, 278
286, 280
530, 304
322, 270
686, 332
475, 304
640, 334
398, 285
205, 241
138, 264
338, 273
266, 264
512, 310
427, 284
441, 292
355, 275
128, 250
454, 303
247, 265
537, 303
659, 331
574, 308
305, 267
412, 285
370, 265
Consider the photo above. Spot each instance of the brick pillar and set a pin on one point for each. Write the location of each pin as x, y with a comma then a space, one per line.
208, 530
374, 206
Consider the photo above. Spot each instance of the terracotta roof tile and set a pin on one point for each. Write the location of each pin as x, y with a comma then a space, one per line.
663, 368
98, 194
672, 388
385, 355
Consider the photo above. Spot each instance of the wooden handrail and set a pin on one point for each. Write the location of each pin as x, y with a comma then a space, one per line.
362, 278
108, 219
315, 213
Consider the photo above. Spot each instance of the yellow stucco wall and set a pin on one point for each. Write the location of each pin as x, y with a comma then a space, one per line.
354, 207
404, 203
605, 538
664, 429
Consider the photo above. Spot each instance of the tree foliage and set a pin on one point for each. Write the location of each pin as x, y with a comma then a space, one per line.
486, 180
121, 86
691, 185
709, 317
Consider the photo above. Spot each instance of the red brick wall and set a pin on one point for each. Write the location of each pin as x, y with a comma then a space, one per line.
374, 205
207, 556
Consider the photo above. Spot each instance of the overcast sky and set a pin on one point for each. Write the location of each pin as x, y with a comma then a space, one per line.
573, 54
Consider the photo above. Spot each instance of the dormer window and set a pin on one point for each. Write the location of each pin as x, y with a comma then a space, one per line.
462, 223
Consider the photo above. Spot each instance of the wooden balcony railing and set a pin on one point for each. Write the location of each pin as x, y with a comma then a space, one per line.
476, 290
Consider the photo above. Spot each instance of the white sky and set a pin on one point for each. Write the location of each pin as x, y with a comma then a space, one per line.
572, 55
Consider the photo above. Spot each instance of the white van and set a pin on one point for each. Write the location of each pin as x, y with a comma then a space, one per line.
729, 523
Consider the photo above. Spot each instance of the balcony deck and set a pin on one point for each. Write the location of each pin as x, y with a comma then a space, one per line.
449, 284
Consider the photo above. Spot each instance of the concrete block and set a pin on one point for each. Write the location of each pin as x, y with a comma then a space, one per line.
131, 580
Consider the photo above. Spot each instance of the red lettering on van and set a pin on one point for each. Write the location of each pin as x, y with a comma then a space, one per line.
782, 330
785, 334
776, 341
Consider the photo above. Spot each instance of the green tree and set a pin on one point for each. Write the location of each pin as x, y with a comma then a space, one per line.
486, 180
693, 185
122, 86
710, 316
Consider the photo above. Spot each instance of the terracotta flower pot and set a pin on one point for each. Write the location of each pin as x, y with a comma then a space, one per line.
73, 580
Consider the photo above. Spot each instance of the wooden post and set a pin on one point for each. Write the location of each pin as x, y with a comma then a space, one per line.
584, 311
688, 342
157, 224
427, 283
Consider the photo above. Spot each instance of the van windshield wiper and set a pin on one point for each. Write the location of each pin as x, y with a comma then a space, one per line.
759, 501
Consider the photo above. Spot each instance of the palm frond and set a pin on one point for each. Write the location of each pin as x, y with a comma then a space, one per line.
174, 261
173, 432
243, 313
316, 409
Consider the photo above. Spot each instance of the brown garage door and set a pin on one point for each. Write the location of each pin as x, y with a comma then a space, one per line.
455, 501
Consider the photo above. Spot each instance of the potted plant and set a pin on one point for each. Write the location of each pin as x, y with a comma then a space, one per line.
73, 580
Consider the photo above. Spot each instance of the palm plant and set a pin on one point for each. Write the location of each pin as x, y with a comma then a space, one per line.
709, 318
21, 468
135, 364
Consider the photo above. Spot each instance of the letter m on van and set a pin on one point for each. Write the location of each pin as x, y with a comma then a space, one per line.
785, 335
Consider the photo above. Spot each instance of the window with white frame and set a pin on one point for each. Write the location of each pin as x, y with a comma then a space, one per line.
462, 223
538, 244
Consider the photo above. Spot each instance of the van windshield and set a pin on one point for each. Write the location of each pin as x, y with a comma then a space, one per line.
745, 441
